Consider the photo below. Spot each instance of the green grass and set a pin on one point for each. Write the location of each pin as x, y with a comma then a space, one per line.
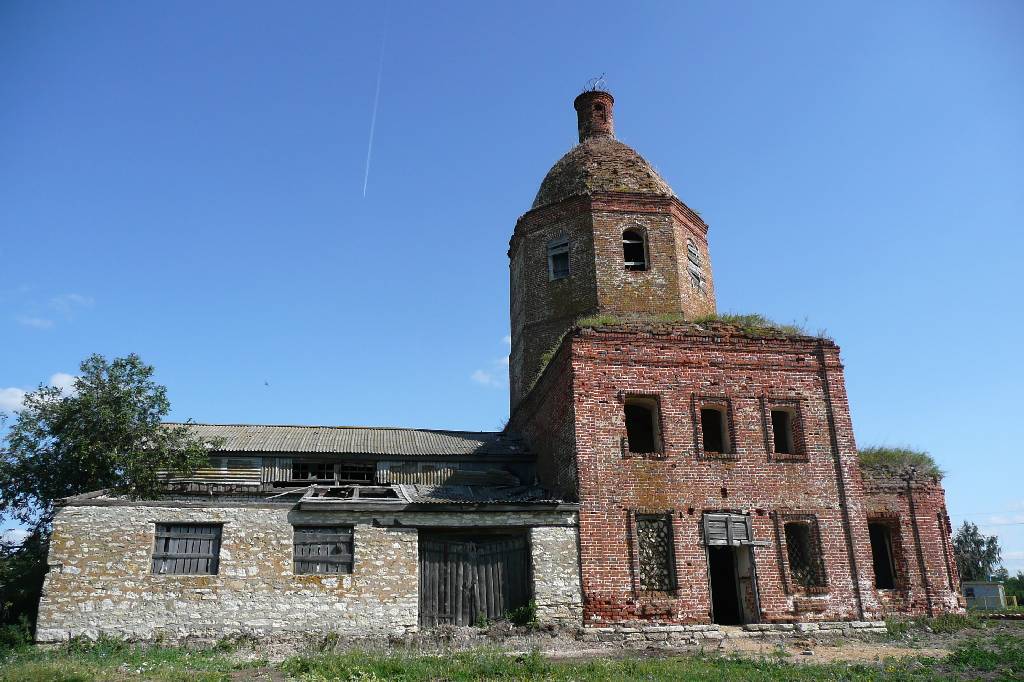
998, 657
754, 324
893, 461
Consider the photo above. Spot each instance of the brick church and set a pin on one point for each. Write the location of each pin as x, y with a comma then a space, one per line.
662, 468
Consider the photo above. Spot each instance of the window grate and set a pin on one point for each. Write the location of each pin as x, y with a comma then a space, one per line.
654, 543
186, 549
803, 547
323, 549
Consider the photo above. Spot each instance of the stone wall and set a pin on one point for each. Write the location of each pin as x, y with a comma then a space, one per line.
100, 579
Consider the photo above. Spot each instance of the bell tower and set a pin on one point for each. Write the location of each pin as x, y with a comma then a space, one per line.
605, 235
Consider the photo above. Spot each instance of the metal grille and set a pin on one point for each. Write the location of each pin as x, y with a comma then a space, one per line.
323, 549
804, 550
186, 549
654, 543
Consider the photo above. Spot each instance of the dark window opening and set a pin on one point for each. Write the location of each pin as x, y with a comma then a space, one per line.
881, 555
633, 251
654, 548
356, 472
313, 472
323, 549
642, 425
186, 549
713, 429
558, 259
782, 431
804, 554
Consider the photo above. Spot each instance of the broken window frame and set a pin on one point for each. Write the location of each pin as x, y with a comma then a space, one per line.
178, 548
335, 546
652, 405
558, 249
810, 576
663, 554
889, 546
310, 464
634, 245
694, 267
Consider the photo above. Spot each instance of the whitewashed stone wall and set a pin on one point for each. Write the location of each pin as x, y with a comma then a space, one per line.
100, 580
556, 574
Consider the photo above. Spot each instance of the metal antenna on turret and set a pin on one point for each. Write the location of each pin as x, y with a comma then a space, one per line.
599, 84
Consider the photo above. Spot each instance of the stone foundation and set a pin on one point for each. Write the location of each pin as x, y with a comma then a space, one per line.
684, 635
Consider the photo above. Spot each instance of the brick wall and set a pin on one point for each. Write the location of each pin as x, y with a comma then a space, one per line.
100, 579
916, 510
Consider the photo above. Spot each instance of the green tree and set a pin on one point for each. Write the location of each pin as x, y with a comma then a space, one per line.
977, 555
104, 433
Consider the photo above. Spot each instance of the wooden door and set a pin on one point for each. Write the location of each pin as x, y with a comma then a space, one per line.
464, 580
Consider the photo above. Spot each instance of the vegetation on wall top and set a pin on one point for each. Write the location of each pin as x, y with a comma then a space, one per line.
888, 461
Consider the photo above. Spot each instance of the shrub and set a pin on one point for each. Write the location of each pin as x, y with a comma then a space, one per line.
886, 461
525, 615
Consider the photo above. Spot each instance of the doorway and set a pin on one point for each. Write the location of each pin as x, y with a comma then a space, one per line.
733, 587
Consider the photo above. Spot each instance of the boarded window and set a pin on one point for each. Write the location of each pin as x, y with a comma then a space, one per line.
728, 529
186, 549
312, 471
714, 429
782, 432
693, 266
323, 549
634, 251
642, 425
882, 555
654, 549
558, 259
803, 547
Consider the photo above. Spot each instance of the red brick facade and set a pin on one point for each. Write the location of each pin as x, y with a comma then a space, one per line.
812, 495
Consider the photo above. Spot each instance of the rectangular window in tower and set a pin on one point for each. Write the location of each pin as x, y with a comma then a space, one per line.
642, 424
782, 431
714, 428
655, 552
558, 258
882, 555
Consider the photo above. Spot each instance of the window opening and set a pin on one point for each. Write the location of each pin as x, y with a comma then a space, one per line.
714, 430
356, 472
323, 549
313, 472
186, 549
558, 259
782, 431
642, 425
804, 553
634, 252
881, 555
654, 544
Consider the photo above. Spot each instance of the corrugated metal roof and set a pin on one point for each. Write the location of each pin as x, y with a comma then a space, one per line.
358, 440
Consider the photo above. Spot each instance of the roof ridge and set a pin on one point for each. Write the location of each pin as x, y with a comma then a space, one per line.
327, 426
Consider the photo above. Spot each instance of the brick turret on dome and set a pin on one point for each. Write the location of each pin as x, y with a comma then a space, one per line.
597, 202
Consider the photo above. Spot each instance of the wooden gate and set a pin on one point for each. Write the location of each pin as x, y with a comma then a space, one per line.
465, 580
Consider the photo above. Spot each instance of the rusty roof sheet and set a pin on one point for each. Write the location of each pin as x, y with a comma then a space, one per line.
359, 440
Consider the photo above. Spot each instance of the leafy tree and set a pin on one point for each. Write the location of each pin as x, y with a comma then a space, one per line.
105, 433
977, 555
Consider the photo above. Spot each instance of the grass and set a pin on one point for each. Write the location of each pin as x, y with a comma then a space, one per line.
998, 657
754, 324
894, 461
946, 623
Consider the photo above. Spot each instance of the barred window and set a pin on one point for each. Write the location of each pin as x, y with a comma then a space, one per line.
654, 544
803, 547
186, 549
323, 549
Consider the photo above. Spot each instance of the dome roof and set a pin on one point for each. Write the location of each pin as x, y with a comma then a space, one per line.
600, 164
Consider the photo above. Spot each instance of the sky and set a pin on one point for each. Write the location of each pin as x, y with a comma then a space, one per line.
197, 183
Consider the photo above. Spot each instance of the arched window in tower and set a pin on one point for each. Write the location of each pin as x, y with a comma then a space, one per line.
634, 250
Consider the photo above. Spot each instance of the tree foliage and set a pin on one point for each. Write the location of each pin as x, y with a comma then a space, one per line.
977, 555
105, 433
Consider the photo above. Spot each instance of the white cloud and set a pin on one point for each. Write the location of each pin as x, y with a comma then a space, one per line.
68, 303
35, 322
484, 378
14, 536
65, 382
11, 399
507, 340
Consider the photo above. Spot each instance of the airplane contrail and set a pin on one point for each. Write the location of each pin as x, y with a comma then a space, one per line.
373, 118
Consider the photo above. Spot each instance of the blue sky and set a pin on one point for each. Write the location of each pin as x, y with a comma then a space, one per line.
185, 181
